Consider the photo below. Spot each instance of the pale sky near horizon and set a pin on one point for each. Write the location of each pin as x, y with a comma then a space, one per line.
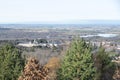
58, 10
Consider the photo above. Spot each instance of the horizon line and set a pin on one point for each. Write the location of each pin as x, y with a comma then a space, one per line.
66, 22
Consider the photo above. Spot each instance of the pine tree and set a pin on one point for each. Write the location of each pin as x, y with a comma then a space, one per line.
11, 62
105, 67
78, 63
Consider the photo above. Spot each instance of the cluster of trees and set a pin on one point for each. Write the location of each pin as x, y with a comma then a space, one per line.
11, 62
80, 64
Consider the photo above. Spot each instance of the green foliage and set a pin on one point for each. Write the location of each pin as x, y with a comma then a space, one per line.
78, 63
105, 68
11, 62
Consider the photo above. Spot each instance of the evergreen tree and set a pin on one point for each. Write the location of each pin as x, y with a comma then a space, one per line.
11, 62
105, 67
78, 63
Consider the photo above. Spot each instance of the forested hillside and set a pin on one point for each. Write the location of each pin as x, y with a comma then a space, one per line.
77, 63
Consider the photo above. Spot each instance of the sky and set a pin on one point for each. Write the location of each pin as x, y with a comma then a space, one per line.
13, 11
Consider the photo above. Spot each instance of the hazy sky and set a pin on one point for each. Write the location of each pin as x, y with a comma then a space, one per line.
58, 10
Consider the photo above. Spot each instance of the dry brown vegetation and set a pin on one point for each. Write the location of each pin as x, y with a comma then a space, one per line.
53, 64
34, 71
42, 68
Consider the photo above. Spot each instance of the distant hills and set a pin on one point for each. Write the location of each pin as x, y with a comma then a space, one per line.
105, 22
95, 22
5, 28
62, 24
70, 22
80, 22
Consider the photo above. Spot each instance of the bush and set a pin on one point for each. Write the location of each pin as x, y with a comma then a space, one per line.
34, 71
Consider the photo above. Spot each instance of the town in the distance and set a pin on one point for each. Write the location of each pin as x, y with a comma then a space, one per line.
49, 43
59, 36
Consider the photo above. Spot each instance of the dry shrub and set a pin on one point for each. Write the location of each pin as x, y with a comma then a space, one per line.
34, 71
53, 64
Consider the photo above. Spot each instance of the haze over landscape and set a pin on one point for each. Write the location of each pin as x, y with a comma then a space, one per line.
58, 11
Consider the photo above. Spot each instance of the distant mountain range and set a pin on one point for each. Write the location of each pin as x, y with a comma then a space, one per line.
5, 28
70, 22
94, 22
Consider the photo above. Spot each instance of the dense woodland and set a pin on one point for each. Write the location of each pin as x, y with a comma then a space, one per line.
77, 63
